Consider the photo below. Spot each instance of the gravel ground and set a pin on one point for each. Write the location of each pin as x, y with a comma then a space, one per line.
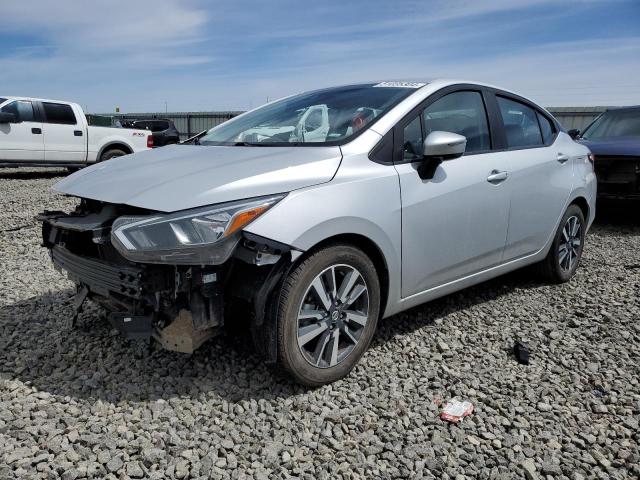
80, 403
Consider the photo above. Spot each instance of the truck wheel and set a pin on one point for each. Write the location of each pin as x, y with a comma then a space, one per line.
112, 153
564, 257
326, 315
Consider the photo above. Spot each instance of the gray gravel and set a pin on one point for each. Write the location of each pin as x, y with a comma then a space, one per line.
83, 404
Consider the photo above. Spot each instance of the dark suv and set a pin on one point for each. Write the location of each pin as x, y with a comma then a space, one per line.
614, 140
164, 132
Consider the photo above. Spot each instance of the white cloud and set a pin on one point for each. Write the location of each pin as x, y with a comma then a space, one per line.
200, 55
105, 24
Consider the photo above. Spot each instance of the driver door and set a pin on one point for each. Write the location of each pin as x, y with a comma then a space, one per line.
454, 224
22, 141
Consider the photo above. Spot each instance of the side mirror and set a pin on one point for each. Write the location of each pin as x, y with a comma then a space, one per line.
440, 146
6, 117
574, 133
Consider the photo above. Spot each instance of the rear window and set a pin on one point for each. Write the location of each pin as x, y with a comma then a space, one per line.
520, 124
546, 127
2, 100
59, 113
159, 126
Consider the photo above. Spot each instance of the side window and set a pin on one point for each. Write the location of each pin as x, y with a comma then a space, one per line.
412, 143
59, 113
22, 109
547, 128
462, 113
520, 124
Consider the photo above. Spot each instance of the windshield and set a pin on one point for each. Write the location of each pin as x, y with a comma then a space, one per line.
324, 117
614, 123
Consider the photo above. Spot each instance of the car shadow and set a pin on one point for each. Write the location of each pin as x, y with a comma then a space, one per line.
91, 361
14, 173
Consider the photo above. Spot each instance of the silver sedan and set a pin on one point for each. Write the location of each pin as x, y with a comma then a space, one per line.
324, 212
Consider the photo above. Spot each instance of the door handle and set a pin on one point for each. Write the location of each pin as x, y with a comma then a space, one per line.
496, 176
36, 131
562, 158
77, 133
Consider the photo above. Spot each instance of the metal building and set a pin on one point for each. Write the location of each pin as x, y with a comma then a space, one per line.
576, 117
190, 123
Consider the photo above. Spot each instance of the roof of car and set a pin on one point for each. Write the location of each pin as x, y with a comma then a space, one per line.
443, 82
11, 97
628, 107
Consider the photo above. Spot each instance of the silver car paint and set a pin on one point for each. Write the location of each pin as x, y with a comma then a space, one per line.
539, 186
180, 177
362, 199
455, 217
453, 225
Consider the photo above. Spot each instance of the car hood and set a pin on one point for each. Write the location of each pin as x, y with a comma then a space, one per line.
622, 146
179, 177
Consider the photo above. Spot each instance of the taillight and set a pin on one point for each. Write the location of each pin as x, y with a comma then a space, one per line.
592, 158
150, 141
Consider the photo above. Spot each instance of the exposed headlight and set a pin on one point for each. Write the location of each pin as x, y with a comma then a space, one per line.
202, 236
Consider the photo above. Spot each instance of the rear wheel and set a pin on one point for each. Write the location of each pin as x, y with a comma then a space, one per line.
564, 257
112, 153
327, 314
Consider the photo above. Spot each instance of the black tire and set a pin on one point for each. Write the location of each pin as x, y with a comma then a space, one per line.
551, 267
296, 288
112, 153
71, 170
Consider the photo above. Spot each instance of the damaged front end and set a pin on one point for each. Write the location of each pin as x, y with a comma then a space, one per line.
170, 277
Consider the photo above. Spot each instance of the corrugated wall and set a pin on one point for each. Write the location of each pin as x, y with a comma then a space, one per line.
190, 123
187, 123
576, 117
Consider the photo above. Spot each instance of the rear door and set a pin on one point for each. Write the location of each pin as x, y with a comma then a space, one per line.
454, 224
22, 141
541, 175
64, 134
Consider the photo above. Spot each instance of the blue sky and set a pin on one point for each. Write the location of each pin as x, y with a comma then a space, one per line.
233, 55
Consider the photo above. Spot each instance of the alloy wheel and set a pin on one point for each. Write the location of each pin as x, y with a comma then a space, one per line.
332, 316
569, 248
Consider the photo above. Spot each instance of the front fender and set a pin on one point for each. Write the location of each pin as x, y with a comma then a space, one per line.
313, 215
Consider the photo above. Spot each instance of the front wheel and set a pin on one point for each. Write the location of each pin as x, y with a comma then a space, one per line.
564, 257
327, 314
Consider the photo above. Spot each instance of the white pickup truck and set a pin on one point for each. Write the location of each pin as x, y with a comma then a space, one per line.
45, 133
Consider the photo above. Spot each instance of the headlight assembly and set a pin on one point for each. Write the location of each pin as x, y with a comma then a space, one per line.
202, 236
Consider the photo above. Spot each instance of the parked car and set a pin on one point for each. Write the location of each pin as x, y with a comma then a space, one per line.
614, 140
415, 191
164, 131
45, 133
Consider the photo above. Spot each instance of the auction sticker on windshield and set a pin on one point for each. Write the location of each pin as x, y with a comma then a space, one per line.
400, 84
